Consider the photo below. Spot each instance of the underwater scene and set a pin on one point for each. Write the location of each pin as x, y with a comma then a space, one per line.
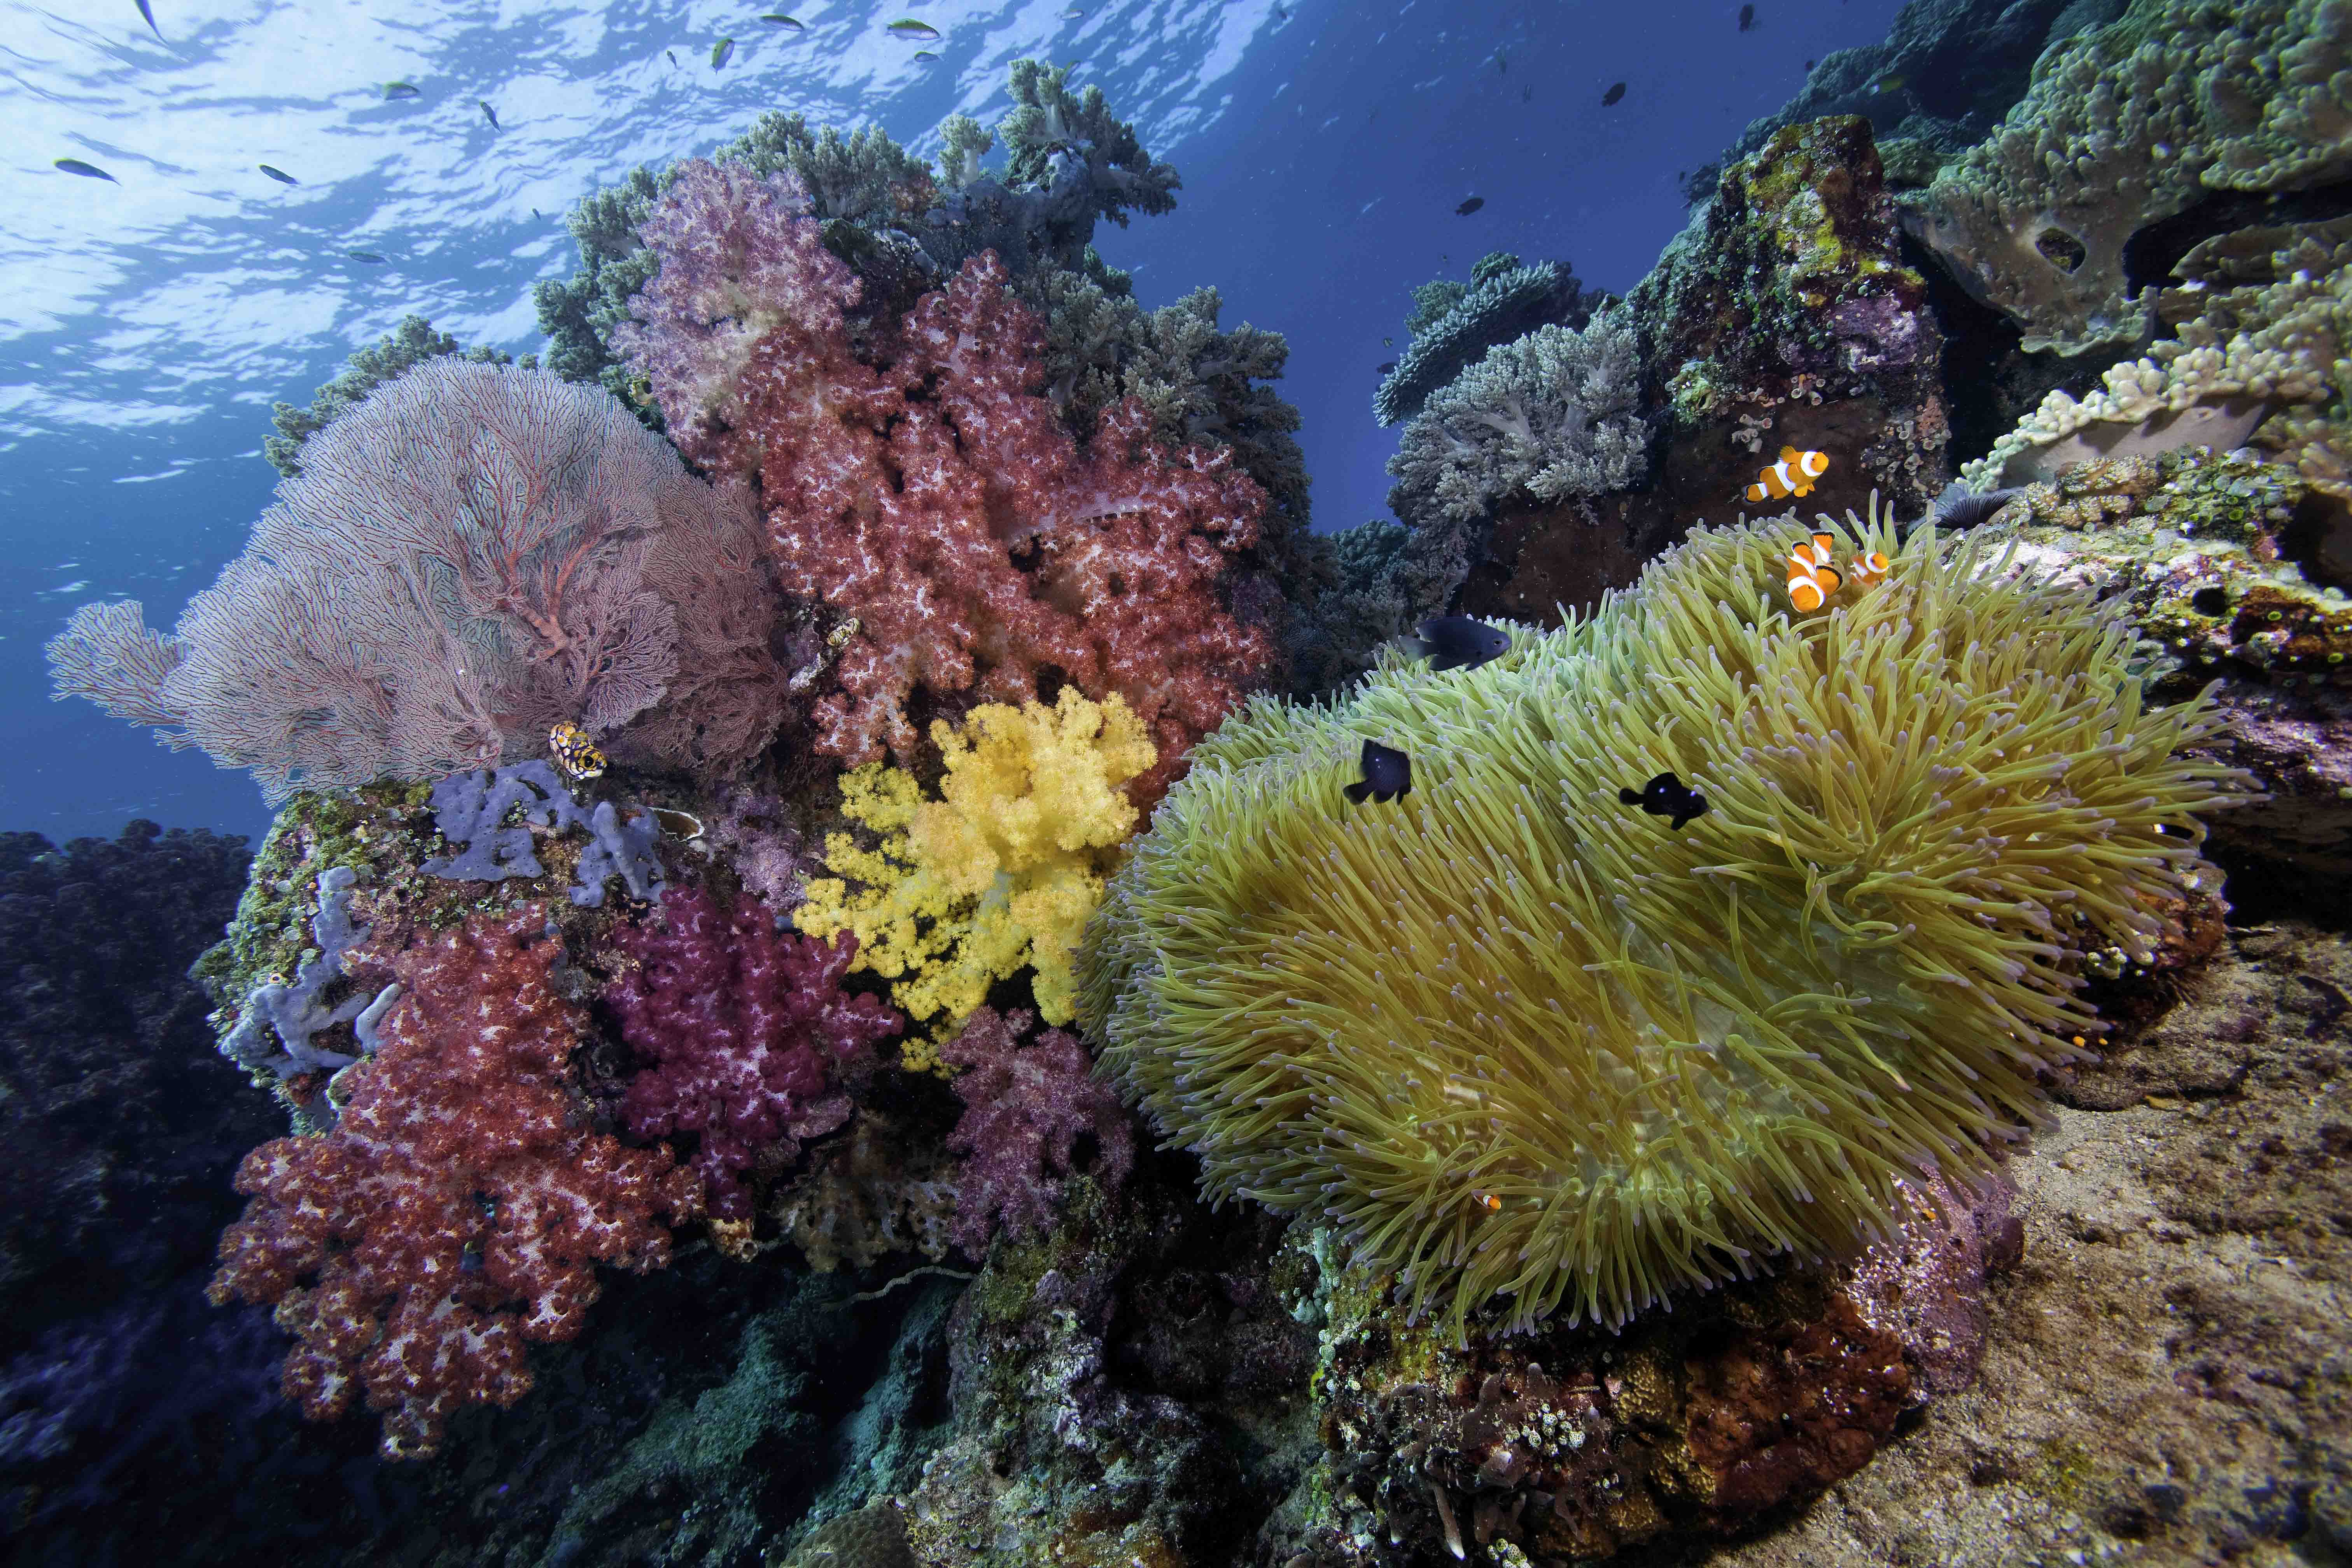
1157, 784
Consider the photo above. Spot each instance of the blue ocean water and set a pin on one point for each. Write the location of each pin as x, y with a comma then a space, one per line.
148, 322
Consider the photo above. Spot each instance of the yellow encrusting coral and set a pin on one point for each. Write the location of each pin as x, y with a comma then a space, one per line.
1515, 1038
998, 875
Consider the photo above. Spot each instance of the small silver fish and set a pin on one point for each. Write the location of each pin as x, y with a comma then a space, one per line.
150, 19
491, 115
673, 56
87, 171
720, 51
397, 90
280, 175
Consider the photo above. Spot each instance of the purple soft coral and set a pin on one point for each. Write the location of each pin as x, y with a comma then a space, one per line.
1023, 1110
747, 1031
740, 258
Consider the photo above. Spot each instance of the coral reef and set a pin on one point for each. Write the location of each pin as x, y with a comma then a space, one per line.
998, 875
2126, 126
1545, 415
1502, 301
1636, 1060
395, 353
382, 624
1025, 1107
746, 1035
459, 1207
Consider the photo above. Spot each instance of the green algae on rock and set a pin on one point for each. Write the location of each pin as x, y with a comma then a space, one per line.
1518, 1041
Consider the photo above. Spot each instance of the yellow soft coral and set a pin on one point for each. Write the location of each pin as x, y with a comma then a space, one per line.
998, 875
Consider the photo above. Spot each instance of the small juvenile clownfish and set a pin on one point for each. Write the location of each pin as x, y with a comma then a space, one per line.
575, 752
1869, 568
1812, 578
1793, 475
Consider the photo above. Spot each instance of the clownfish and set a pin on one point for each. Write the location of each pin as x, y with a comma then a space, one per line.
1793, 475
1812, 578
1869, 567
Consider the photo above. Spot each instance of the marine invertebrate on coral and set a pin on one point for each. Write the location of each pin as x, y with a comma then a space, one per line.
998, 875
1519, 1041
2122, 127
1502, 301
747, 1036
1548, 414
472, 553
461, 1203
1025, 1107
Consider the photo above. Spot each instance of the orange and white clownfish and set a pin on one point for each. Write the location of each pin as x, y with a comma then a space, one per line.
1869, 568
1812, 578
1793, 475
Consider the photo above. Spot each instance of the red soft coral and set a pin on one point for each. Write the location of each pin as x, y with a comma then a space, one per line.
943, 505
748, 1032
461, 1203
1024, 1110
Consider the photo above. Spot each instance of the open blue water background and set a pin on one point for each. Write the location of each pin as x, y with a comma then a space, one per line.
147, 325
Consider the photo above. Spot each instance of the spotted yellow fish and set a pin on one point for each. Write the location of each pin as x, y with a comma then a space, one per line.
576, 753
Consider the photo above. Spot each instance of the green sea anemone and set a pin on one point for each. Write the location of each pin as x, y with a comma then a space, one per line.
1515, 1038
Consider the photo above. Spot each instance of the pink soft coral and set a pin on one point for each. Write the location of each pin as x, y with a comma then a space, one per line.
1024, 1110
748, 1032
459, 1207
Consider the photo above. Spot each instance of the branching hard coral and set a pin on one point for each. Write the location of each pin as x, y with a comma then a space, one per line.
2252, 351
472, 553
1551, 415
1503, 301
1517, 1040
401, 349
998, 875
579, 313
747, 1033
461, 1205
1025, 1107
2126, 126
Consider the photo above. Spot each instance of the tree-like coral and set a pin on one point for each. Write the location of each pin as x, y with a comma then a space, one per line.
1521, 1040
461, 1203
395, 353
1025, 1107
1549, 415
471, 554
1002, 872
747, 1033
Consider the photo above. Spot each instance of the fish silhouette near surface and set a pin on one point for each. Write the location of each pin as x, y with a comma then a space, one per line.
491, 114
913, 28
143, 11
721, 52
1747, 18
280, 175
790, 24
394, 90
87, 171
1388, 774
1470, 206
1612, 95
1460, 642
1666, 795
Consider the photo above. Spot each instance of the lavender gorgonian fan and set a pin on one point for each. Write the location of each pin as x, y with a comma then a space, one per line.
471, 554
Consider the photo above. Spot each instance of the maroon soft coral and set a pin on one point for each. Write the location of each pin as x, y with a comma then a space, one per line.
1024, 1108
461, 1203
748, 1033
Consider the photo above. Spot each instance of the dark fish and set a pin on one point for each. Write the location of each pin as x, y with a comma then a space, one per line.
673, 56
910, 28
534, 212
791, 23
1957, 508
1809, 65
1388, 342
1386, 365
491, 115
87, 171
150, 19
1471, 205
1612, 95
1460, 642
280, 175
1388, 774
1526, 95
1747, 18
367, 256
1502, 65
392, 90
1665, 796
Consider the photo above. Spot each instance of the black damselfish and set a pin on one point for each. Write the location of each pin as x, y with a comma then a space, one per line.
1388, 774
1665, 796
1460, 642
